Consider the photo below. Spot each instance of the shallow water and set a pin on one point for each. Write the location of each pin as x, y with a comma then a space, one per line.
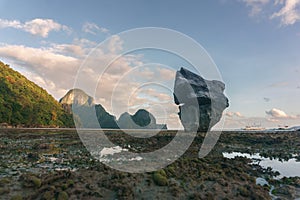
290, 168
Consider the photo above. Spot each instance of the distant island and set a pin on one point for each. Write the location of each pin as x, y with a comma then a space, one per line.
80, 102
24, 104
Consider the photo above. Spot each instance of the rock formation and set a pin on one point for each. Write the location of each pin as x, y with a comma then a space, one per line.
84, 107
201, 102
142, 119
77, 97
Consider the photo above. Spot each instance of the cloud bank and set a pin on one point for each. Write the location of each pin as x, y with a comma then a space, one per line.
279, 114
39, 27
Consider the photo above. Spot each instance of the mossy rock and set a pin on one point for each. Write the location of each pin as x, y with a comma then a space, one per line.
49, 195
32, 181
4, 190
244, 191
36, 181
159, 179
62, 196
17, 197
70, 183
274, 192
171, 170
4, 181
162, 172
64, 186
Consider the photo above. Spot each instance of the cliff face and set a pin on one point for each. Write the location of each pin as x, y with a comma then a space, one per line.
77, 97
25, 104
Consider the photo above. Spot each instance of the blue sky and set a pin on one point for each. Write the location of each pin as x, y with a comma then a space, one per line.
254, 43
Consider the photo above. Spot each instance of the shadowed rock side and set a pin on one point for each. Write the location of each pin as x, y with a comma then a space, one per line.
142, 119
201, 102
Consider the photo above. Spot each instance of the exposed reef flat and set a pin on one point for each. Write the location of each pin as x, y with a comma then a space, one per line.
47, 164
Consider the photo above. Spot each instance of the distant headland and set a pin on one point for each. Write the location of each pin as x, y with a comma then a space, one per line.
24, 104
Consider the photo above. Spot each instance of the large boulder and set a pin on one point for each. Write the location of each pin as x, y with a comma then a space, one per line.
201, 102
142, 119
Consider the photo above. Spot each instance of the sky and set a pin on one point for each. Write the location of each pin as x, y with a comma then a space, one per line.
253, 44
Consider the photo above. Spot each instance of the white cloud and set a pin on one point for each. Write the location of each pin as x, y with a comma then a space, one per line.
233, 114
289, 13
52, 70
115, 44
279, 84
40, 27
69, 49
167, 74
10, 24
238, 114
84, 42
93, 28
279, 114
256, 6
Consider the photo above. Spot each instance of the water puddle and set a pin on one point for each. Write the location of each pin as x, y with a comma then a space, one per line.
289, 168
107, 155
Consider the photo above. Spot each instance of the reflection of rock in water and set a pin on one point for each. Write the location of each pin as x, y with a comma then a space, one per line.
201, 102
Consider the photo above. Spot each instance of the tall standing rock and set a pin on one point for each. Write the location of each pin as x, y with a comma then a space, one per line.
201, 102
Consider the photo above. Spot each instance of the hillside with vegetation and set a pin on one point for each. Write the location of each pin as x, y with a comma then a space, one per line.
25, 104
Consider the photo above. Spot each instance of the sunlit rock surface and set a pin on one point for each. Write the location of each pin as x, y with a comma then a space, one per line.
77, 97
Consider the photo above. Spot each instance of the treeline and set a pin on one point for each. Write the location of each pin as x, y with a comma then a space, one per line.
25, 104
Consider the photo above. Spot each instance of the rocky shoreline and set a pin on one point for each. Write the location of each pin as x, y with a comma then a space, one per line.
53, 164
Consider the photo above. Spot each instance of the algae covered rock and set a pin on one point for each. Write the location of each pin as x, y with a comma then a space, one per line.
160, 178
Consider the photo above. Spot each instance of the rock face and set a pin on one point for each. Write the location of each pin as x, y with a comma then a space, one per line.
201, 102
142, 119
77, 97
84, 108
